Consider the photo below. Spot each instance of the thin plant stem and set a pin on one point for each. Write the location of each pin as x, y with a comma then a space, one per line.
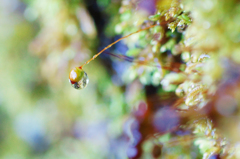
95, 56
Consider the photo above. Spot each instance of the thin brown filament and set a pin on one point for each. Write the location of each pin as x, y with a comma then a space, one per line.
176, 140
173, 67
95, 56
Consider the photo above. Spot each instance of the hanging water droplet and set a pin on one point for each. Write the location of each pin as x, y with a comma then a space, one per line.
82, 83
78, 78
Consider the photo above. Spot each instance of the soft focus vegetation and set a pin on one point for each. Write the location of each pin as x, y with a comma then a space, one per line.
171, 91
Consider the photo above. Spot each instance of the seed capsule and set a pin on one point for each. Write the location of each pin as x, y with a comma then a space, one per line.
157, 151
78, 78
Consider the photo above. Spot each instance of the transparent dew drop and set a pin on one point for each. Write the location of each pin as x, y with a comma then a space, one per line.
82, 83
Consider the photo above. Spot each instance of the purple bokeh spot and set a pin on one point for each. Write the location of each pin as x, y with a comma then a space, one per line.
165, 119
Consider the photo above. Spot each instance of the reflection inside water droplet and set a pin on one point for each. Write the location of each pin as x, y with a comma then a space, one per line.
82, 83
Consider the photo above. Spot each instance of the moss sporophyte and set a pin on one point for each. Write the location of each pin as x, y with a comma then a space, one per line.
78, 77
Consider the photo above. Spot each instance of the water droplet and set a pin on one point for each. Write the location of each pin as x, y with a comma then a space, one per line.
78, 78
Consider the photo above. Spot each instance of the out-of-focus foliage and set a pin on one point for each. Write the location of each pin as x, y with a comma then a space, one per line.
199, 39
41, 116
177, 98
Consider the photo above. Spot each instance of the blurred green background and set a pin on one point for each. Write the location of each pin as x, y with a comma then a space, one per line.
41, 115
